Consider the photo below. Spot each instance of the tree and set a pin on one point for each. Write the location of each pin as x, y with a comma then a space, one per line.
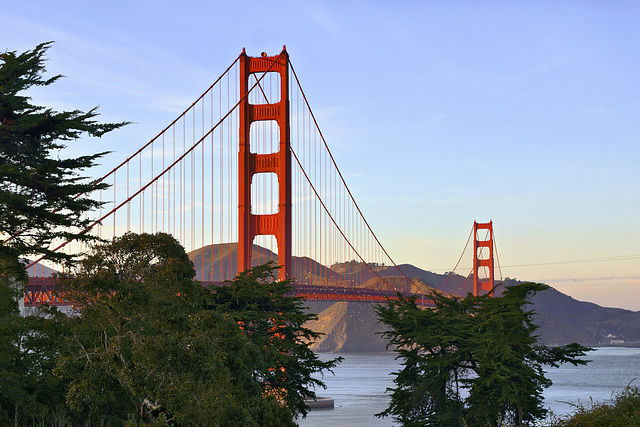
274, 322
432, 345
483, 346
151, 344
510, 376
42, 196
28, 348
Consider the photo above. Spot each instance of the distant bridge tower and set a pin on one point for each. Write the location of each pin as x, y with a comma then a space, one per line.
480, 258
249, 164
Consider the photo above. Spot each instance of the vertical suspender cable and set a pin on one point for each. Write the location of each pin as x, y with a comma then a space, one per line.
100, 210
183, 183
229, 201
213, 241
151, 193
114, 205
128, 204
164, 192
202, 203
172, 181
142, 195
220, 192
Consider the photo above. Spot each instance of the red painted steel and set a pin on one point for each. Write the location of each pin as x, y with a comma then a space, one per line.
481, 286
277, 224
41, 290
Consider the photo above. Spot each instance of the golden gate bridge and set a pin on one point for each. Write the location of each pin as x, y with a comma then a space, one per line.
244, 176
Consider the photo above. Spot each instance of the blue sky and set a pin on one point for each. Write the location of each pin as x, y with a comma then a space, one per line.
439, 113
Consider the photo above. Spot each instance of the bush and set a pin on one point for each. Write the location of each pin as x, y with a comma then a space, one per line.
623, 410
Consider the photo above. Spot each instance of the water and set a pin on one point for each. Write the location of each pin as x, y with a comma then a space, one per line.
358, 387
358, 390
610, 370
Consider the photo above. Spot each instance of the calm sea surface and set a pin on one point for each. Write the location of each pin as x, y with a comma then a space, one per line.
358, 387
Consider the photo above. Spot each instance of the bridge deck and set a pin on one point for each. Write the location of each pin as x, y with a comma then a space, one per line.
41, 290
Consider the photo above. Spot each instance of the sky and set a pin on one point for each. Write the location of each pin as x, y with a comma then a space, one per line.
439, 113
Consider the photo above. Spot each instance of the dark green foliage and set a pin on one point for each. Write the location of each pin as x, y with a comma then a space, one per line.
28, 348
509, 383
144, 345
149, 343
472, 360
38, 186
274, 322
431, 343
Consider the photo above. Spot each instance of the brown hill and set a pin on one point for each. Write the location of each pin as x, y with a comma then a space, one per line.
348, 327
220, 262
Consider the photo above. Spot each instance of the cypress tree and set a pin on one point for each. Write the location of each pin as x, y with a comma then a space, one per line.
470, 361
43, 196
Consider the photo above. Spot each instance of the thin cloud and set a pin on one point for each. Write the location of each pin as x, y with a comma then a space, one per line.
621, 281
595, 110
434, 122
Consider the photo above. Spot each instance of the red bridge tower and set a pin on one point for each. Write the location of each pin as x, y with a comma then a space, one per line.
480, 259
249, 164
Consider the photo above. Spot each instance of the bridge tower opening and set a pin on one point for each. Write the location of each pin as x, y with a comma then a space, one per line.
277, 224
482, 259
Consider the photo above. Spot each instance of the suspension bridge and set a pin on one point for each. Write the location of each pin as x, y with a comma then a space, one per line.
244, 176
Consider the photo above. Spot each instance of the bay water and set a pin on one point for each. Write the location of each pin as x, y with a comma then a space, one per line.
359, 384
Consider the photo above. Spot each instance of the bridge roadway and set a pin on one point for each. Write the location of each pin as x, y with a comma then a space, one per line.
40, 290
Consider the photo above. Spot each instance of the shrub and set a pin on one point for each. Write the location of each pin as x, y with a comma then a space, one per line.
623, 410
